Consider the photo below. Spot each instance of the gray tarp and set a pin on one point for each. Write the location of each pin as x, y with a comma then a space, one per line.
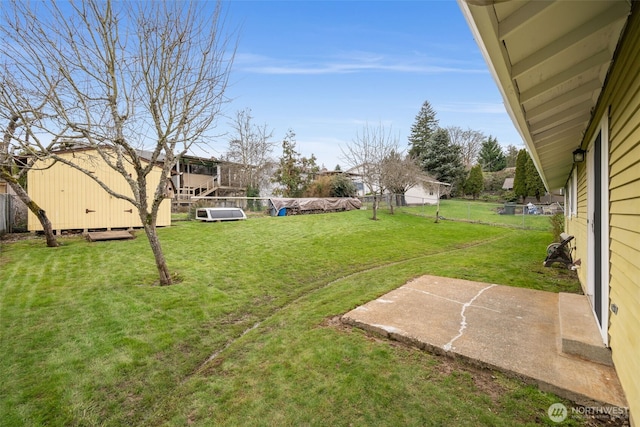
317, 204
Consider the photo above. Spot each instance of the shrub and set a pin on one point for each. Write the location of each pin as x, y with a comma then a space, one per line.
509, 196
320, 187
557, 225
342, 186
493, 181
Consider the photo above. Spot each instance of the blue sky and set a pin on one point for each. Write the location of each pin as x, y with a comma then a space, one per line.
327, 68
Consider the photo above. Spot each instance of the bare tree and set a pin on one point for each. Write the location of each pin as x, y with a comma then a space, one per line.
469, 141
14, 173
136, 83
399, 174
250, 148
367, 153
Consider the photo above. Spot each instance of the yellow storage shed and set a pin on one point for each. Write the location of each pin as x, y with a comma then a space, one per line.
74, 201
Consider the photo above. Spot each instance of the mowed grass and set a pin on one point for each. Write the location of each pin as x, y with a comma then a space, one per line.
481, 212
248, 336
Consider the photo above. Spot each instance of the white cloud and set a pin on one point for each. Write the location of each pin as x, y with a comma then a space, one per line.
352, 63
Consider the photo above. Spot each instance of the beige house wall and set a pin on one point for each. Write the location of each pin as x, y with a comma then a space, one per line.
620, 101
74, 201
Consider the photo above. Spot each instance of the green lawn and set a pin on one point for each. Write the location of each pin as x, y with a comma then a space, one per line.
482, 212
249, 336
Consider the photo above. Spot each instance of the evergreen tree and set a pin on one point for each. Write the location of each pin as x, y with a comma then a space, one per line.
294, 172
527, 181
475, 182
421, 131
254, 205
442, 159
520, 180
491, 156
535, 186
342, 186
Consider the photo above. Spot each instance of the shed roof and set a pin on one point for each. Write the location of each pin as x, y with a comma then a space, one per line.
508, 184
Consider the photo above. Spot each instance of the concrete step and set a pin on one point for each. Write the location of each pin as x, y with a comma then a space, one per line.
579, 333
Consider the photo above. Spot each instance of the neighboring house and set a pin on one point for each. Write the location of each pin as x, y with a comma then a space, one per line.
351, 174
569, 72
426, 192
355, 174
200, 177
74, 201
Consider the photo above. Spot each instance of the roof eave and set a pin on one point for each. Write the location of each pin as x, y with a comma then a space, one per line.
482, 21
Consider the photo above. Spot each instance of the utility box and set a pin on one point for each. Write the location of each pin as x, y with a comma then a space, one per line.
509, 208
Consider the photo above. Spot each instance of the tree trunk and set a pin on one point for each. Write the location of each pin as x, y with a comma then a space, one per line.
161, 263
52, 242
5, 173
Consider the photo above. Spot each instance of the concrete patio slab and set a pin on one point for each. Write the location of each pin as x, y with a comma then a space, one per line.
513, 330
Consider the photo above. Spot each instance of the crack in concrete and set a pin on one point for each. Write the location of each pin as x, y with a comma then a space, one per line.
448, 299
463, 324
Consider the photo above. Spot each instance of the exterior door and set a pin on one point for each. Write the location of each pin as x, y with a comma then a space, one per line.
598, 220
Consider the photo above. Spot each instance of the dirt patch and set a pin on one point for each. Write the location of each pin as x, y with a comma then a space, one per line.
335, 322
16, 237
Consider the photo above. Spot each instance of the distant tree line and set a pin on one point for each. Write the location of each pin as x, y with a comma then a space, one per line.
466, 158
471, 162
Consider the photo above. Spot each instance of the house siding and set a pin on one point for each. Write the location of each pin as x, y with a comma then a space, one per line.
74, 201
621, 100
577, 226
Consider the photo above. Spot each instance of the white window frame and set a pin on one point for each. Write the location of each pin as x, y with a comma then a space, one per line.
571, 195
574, 193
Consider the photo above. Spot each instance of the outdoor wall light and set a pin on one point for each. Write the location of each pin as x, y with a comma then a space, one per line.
578, 155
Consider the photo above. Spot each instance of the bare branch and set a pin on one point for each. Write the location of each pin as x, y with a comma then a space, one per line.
469, 141
138, 83
250, 147
366, 155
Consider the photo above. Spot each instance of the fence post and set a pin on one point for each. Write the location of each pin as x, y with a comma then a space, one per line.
4, 213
